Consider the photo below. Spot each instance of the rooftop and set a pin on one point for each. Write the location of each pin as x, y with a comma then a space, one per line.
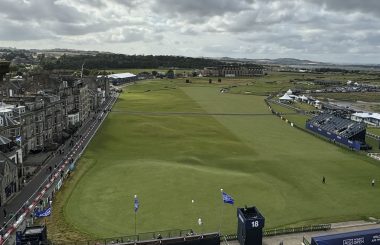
367, 115
121, 75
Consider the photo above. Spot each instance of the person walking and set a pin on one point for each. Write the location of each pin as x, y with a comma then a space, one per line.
5, 213
373, 183
324, 180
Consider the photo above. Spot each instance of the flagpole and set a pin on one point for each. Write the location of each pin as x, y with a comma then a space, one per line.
221, 212
135, 215
192, 212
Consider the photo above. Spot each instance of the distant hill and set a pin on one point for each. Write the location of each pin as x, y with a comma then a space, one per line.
280, 61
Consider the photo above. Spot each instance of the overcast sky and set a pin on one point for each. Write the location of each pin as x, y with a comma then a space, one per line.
344, 31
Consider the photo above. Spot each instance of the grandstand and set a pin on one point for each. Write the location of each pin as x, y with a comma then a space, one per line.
343, 131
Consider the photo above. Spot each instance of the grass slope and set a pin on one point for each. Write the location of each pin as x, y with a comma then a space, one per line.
170, 160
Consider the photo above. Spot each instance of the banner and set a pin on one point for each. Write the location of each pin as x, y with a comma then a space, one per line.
43, 213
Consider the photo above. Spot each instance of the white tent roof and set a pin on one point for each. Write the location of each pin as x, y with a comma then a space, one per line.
367, 115
289, 91
121, 75
286, 97
303, 97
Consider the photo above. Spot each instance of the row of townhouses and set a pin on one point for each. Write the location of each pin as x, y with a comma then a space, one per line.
233, 71
37, 114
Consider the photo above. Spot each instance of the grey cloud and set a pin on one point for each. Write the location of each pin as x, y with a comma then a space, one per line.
128, 3
245, 28
75, 29
130, 35
40, 10
200, 9
12, 31
364, 6
56, 17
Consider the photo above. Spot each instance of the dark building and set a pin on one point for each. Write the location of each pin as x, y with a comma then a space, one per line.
4, 69
327, 82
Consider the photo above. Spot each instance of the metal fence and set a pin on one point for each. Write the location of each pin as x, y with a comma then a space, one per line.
284, 231
305, 241
146, 236
310, 228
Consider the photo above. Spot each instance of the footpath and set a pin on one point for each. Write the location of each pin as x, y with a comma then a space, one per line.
23, 204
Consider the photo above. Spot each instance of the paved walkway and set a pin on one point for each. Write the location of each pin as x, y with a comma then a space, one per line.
33, 187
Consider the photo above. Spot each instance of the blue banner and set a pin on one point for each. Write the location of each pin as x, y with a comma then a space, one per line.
43, 213
227, 198
136, 204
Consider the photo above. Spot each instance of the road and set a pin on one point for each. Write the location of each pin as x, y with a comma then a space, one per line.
31, 190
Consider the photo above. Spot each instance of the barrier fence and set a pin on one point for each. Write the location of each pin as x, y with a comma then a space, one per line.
177, 233
305, 241
147, 236
310, 228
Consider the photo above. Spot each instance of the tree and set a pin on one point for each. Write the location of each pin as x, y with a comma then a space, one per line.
86, 72
170, 74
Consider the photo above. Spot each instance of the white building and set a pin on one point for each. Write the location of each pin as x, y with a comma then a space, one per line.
285, 98
368, 118
6, 110
121, 78
73, 119
289, 92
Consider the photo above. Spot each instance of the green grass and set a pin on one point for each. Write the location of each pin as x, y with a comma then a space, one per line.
367, 97
374, 143
168, 160
374, 130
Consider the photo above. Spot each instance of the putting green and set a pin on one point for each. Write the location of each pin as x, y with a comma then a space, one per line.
169, 160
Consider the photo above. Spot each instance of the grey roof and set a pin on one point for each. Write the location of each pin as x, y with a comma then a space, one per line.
7, 121
337, 125
4, 140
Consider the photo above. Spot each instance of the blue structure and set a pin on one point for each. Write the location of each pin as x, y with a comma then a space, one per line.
336, 129
250, 226
366, 237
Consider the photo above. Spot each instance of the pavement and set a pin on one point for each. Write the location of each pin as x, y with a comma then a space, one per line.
32, 188
297, 238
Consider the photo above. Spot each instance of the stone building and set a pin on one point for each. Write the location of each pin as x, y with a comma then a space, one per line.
233, 71
14, 153
37, 113
8, 179
48, 109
